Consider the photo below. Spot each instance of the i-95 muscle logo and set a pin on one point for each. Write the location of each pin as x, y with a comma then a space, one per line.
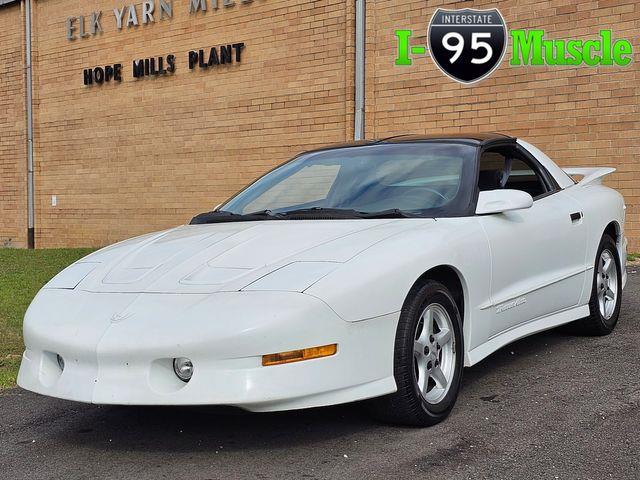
467, 45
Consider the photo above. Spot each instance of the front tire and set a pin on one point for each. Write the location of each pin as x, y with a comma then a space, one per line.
606, 292
428, 359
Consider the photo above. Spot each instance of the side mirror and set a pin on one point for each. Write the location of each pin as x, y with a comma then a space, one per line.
499, 201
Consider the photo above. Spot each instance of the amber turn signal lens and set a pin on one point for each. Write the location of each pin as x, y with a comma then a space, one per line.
299, 355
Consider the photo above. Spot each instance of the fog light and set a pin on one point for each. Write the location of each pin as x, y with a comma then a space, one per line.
183, 368
60, 362
299, 355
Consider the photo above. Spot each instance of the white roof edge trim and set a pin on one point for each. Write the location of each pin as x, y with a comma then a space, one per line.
560, 175
7, 2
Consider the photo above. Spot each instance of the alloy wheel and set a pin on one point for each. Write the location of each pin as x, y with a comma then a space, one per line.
607, 284
434, 353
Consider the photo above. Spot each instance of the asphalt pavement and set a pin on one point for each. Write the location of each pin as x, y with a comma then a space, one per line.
550, 406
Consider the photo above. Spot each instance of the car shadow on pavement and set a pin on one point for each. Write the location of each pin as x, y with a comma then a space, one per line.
190, 429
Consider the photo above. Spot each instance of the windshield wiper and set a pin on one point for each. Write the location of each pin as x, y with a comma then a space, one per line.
310, 213
391, 213
221, 216
339, 213
319, 212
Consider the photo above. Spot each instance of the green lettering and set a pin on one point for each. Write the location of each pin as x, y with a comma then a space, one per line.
622, 52
554, 53
403, 37
574, 49
527, 47
606, 47
587, 51
531, 48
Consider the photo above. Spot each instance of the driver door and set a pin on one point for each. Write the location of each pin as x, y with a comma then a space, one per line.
537, 254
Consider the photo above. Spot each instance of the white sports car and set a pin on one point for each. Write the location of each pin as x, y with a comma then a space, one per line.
374, 270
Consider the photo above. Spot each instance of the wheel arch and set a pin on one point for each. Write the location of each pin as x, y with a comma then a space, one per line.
613, 230
450, 277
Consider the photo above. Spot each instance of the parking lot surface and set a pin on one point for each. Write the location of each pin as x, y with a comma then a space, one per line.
549, 406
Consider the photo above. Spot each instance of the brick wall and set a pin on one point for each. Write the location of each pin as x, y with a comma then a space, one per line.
13, 153
580, 116
148, 154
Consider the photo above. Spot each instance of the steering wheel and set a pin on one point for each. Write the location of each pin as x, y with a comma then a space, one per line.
433, 190
411, 200
416, 199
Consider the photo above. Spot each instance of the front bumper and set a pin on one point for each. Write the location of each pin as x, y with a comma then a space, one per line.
118, 349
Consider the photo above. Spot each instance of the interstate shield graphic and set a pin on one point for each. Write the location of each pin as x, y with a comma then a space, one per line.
467, 45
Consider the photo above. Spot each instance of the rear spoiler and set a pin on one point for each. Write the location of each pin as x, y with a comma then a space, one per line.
590, 175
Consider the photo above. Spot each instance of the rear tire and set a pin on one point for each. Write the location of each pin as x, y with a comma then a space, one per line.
428, 359
606, 292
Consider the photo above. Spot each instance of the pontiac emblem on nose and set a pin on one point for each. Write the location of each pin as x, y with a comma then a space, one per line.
467, 45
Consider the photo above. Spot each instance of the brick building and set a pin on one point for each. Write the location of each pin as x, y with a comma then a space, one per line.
118, 158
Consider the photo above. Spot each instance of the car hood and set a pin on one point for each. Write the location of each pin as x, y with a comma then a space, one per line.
228, 256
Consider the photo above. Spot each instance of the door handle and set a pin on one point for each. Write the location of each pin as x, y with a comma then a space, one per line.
575, 216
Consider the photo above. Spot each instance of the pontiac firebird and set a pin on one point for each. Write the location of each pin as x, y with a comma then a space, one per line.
375, 270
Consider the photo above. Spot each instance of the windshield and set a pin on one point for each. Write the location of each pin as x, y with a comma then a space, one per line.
429, 178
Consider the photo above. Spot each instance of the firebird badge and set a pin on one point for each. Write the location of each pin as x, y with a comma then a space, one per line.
511, 304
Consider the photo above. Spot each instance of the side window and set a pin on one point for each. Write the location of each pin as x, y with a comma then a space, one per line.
507, 168
523, 177
309, 185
